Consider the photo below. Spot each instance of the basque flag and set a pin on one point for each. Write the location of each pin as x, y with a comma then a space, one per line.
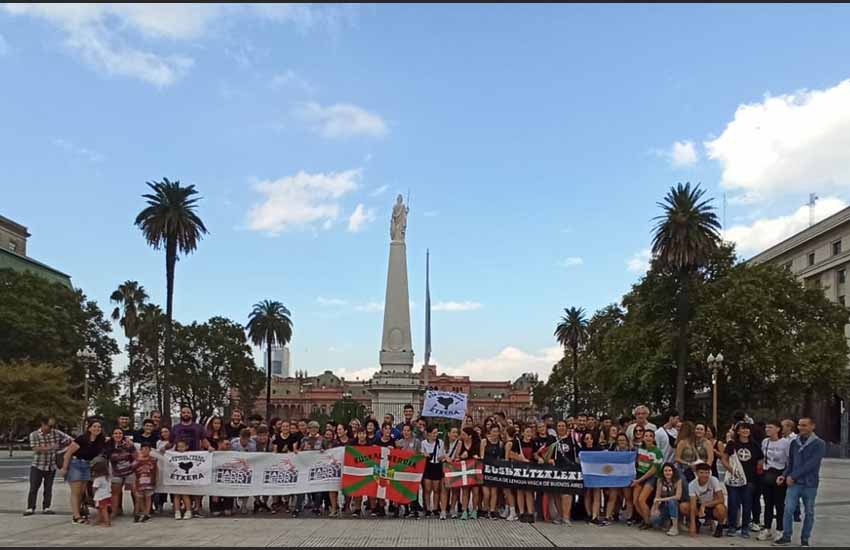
607, 468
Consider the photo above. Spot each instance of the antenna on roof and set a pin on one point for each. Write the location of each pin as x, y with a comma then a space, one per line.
813, 198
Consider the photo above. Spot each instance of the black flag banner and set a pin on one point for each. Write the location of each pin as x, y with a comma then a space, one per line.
533, 477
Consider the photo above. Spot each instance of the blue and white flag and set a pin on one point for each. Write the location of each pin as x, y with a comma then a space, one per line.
607, 468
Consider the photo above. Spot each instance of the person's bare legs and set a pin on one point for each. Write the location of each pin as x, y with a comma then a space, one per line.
76, 497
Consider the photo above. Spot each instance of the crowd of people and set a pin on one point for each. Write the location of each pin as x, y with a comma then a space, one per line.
752, 477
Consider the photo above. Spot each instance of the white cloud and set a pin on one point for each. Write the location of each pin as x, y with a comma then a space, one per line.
788, 143
766, 232
301, 200
639, 263
322, 301
683, 153
69, 147
356, 374
571, 262
370, 307
341, 120
380, 190
456, 306
510, 363
291, 79
360, 217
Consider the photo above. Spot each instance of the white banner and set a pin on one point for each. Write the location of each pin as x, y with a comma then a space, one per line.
237, 474
444, 404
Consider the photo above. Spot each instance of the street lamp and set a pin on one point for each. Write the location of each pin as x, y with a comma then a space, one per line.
85, 356
715, 363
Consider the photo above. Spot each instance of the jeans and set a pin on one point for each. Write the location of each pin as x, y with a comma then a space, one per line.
774, 500
792, 498
667, 509
741, 497
37, 477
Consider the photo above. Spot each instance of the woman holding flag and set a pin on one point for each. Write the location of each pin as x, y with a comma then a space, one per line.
468, 448
452, 494
565, 455
621, 443
432, 479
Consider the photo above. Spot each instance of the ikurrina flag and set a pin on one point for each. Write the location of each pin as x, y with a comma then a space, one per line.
382, 472
463, 473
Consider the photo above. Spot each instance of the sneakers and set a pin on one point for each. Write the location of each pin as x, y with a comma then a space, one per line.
473, 514
145, 518
29, 512
782, 542
804, 543
512, 517
745, 533
188, 514
755, 527
493, 515
48, 512
718, 530
731, 532
177, 515
673, 532
765, 534
557, 521
137, 518
355, 514
442, 516
464, 516
504, 513
454, 515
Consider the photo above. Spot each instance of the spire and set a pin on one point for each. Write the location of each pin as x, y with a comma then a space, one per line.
427, 308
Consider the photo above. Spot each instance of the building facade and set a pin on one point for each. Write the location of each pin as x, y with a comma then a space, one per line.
280, 361
13, 253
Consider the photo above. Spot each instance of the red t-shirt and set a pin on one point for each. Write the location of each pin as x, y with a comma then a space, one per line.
145, 470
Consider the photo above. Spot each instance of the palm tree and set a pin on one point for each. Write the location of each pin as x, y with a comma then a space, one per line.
571, 333
170, 221
151, 328
684, 237
269, 324
129, 298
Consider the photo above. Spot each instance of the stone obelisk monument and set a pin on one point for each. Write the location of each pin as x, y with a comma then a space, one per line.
395, 384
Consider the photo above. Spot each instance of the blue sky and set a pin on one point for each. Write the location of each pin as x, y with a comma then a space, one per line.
534, 142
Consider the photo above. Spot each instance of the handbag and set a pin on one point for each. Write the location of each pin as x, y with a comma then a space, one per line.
735, 476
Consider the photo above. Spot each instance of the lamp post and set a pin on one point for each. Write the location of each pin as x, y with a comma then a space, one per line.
85, 356
714, 363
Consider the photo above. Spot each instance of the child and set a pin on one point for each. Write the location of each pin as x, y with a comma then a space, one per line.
182, 446
102, 491
145, 470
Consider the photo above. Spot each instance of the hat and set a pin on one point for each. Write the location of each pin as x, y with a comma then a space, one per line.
312, 424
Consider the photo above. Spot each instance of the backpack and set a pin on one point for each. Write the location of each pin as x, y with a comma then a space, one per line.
735, 476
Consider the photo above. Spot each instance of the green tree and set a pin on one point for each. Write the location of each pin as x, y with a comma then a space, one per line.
30, 390
344, 410
684, 237
571, 333
269, 324
129, 298
170, 221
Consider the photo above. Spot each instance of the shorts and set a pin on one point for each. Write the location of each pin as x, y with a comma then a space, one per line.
104, 503
127, 480
78, 470
434, 472
144, 493
649, 482
709, 513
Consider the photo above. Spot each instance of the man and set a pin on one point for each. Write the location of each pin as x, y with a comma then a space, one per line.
707, 501
264, 445
312, 442
156, 416
802, 476
396, 432
254, 422
641, 413
665, 436
605, 424
244, 444
550, 424
194, 434
408, 416
147, 434
235, 426
45, 443
580, 429
124, 424
591, 422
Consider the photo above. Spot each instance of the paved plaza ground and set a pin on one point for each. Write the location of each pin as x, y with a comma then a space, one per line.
831, 528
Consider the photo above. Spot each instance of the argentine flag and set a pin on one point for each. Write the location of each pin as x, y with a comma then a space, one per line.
607, 468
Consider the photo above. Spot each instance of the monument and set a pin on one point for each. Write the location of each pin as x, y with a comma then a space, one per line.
395, 384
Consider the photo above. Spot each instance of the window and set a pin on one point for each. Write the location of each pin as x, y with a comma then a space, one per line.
842, 276
811, 258
836, 248
13, 246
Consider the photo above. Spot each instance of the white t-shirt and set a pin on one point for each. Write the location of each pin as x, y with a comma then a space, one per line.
102, 488
662, 440
775, 453
705, 493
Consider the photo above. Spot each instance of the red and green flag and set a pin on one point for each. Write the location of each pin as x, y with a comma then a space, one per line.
382, 472
463, 473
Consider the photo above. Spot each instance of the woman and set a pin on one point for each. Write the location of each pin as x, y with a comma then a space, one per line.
775, 449
686, 455
510, 439
361, 439
637, 436
741, 482
621, 443
410, 443
432, 480
716, 448
341, 439
215, 431
649, 460
705, 448
492, 450
163, 445
523, 452
565, 456
372, 432
668, 493
469, 448
613, 435
592, 497
452, 495
77, 464
543, 450
121, 454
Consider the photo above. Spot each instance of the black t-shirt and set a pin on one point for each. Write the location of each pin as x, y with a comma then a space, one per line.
89, 449
381, 443
749, 454
541, 442
140, 438
286, 444
355, 443
233, 431
566, 452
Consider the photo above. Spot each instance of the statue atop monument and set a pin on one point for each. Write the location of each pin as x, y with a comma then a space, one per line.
398, 226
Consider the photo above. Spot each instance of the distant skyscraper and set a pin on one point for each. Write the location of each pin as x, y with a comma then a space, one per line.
280, 361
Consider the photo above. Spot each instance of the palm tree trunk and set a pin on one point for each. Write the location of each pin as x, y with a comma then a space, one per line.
682, 341
575, 380
132, 401
268, 381
170, 260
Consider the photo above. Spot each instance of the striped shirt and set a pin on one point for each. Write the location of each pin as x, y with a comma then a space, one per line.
54, 439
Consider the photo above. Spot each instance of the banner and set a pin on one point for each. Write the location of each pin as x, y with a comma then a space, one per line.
237, 474
463, 473
382, 472
531, 476
607, 468
444, 404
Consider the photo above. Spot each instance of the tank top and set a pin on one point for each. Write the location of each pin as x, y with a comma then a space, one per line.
702, 452
668, 488
689, 453
527, 449
493, 451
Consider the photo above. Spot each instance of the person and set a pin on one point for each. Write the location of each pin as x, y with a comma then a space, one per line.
788, 427
390, 419
743, 479
263, 444
452, 495
148, 434
100, 484
510, 436
605, 425
190, 431
641, 413
543, 441
244, 444
286, 441
704, 446
649, 461
407, 412
216, 431
145, 474
182, 501
549, 420
77, 464
361, 439
665, 436
156, 416
467, 449
385, 438
233, 428
45, 443
491, 450
162, 445
254, 422
123, 422
524, 453
620, 443
706, 502
592, 497
372, 431
312, 442
580, 428
775, 449
685, 453
668, 492
120, 453
637, 436
802, 477
341, 440
432, 479
407, 441
564, 455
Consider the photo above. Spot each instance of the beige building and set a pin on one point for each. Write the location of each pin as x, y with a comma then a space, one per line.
13, 236
819, 256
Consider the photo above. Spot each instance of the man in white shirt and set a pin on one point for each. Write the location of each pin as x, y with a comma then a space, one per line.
641, 413
665, 436
707, 498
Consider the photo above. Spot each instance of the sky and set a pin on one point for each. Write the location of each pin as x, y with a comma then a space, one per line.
534, 143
